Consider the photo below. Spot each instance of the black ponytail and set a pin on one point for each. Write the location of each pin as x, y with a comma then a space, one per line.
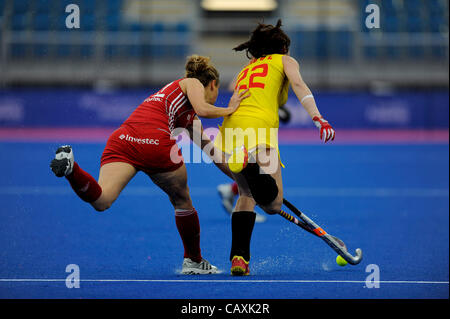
266, 39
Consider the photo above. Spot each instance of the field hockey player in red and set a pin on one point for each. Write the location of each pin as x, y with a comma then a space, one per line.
144, 142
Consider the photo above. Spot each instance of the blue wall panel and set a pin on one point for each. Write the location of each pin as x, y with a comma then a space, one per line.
353, 110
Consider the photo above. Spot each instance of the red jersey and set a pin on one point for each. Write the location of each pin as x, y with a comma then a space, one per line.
166, 109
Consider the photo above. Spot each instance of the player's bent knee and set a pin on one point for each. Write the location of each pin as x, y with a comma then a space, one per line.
101, 205
101, 208
263, 187
273, 208
180, 197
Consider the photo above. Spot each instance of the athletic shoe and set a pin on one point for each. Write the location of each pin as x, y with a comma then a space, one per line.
191, 267
260, 218
62, 164
227, 197
239, 267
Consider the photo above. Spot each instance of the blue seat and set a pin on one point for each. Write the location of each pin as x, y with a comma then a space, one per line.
64, 50
304, 44
391, 23
145, 50
113, 6
335, 45
371, 52
134, 51
60, 24
87, 22
21, 6
388, 5
41, 50
439, 52
388, 9
136, 27
364, 3
19, 22
18, 50
435, 6
436, 24
111, 51
43, 6
74, 51
182, 27
413, 5
158, 51
86, 6
413, 10
416, 52
158, 27
171, 50
322, 48
41, 22
112, 23
181, 51
86, 51
437, 17
414, 24
344, 44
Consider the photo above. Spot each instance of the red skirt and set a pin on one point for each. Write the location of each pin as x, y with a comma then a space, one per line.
150, 150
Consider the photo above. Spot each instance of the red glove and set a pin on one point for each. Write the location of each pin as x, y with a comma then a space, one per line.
326, 131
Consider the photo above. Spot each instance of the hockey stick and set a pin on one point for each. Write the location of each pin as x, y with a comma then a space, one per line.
310, 226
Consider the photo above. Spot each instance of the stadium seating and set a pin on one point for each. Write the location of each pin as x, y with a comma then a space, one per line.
162, 37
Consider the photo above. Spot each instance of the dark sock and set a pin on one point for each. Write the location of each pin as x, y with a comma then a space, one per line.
188, 227
242, 223
84, 184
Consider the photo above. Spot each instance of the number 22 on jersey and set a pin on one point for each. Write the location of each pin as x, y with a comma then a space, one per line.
258, 71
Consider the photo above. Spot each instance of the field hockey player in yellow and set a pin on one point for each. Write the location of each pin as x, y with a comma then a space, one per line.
249, 136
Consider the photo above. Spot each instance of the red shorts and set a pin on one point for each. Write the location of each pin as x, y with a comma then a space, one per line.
149, 150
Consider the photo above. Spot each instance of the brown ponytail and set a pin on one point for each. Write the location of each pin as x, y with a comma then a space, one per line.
200, 67
266, 39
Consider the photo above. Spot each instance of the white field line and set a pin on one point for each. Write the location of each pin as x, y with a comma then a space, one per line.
228, 281
208, 191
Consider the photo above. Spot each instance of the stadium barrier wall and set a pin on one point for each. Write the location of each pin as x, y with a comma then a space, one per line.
59, 108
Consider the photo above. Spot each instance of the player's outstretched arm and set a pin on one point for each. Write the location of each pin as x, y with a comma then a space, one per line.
306, 98
196, 94
203, 141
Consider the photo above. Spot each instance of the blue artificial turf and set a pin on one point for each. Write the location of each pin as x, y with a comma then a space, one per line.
390, 200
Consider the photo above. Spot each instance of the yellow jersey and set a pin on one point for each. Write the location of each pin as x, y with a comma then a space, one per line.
256, 120
268, 86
